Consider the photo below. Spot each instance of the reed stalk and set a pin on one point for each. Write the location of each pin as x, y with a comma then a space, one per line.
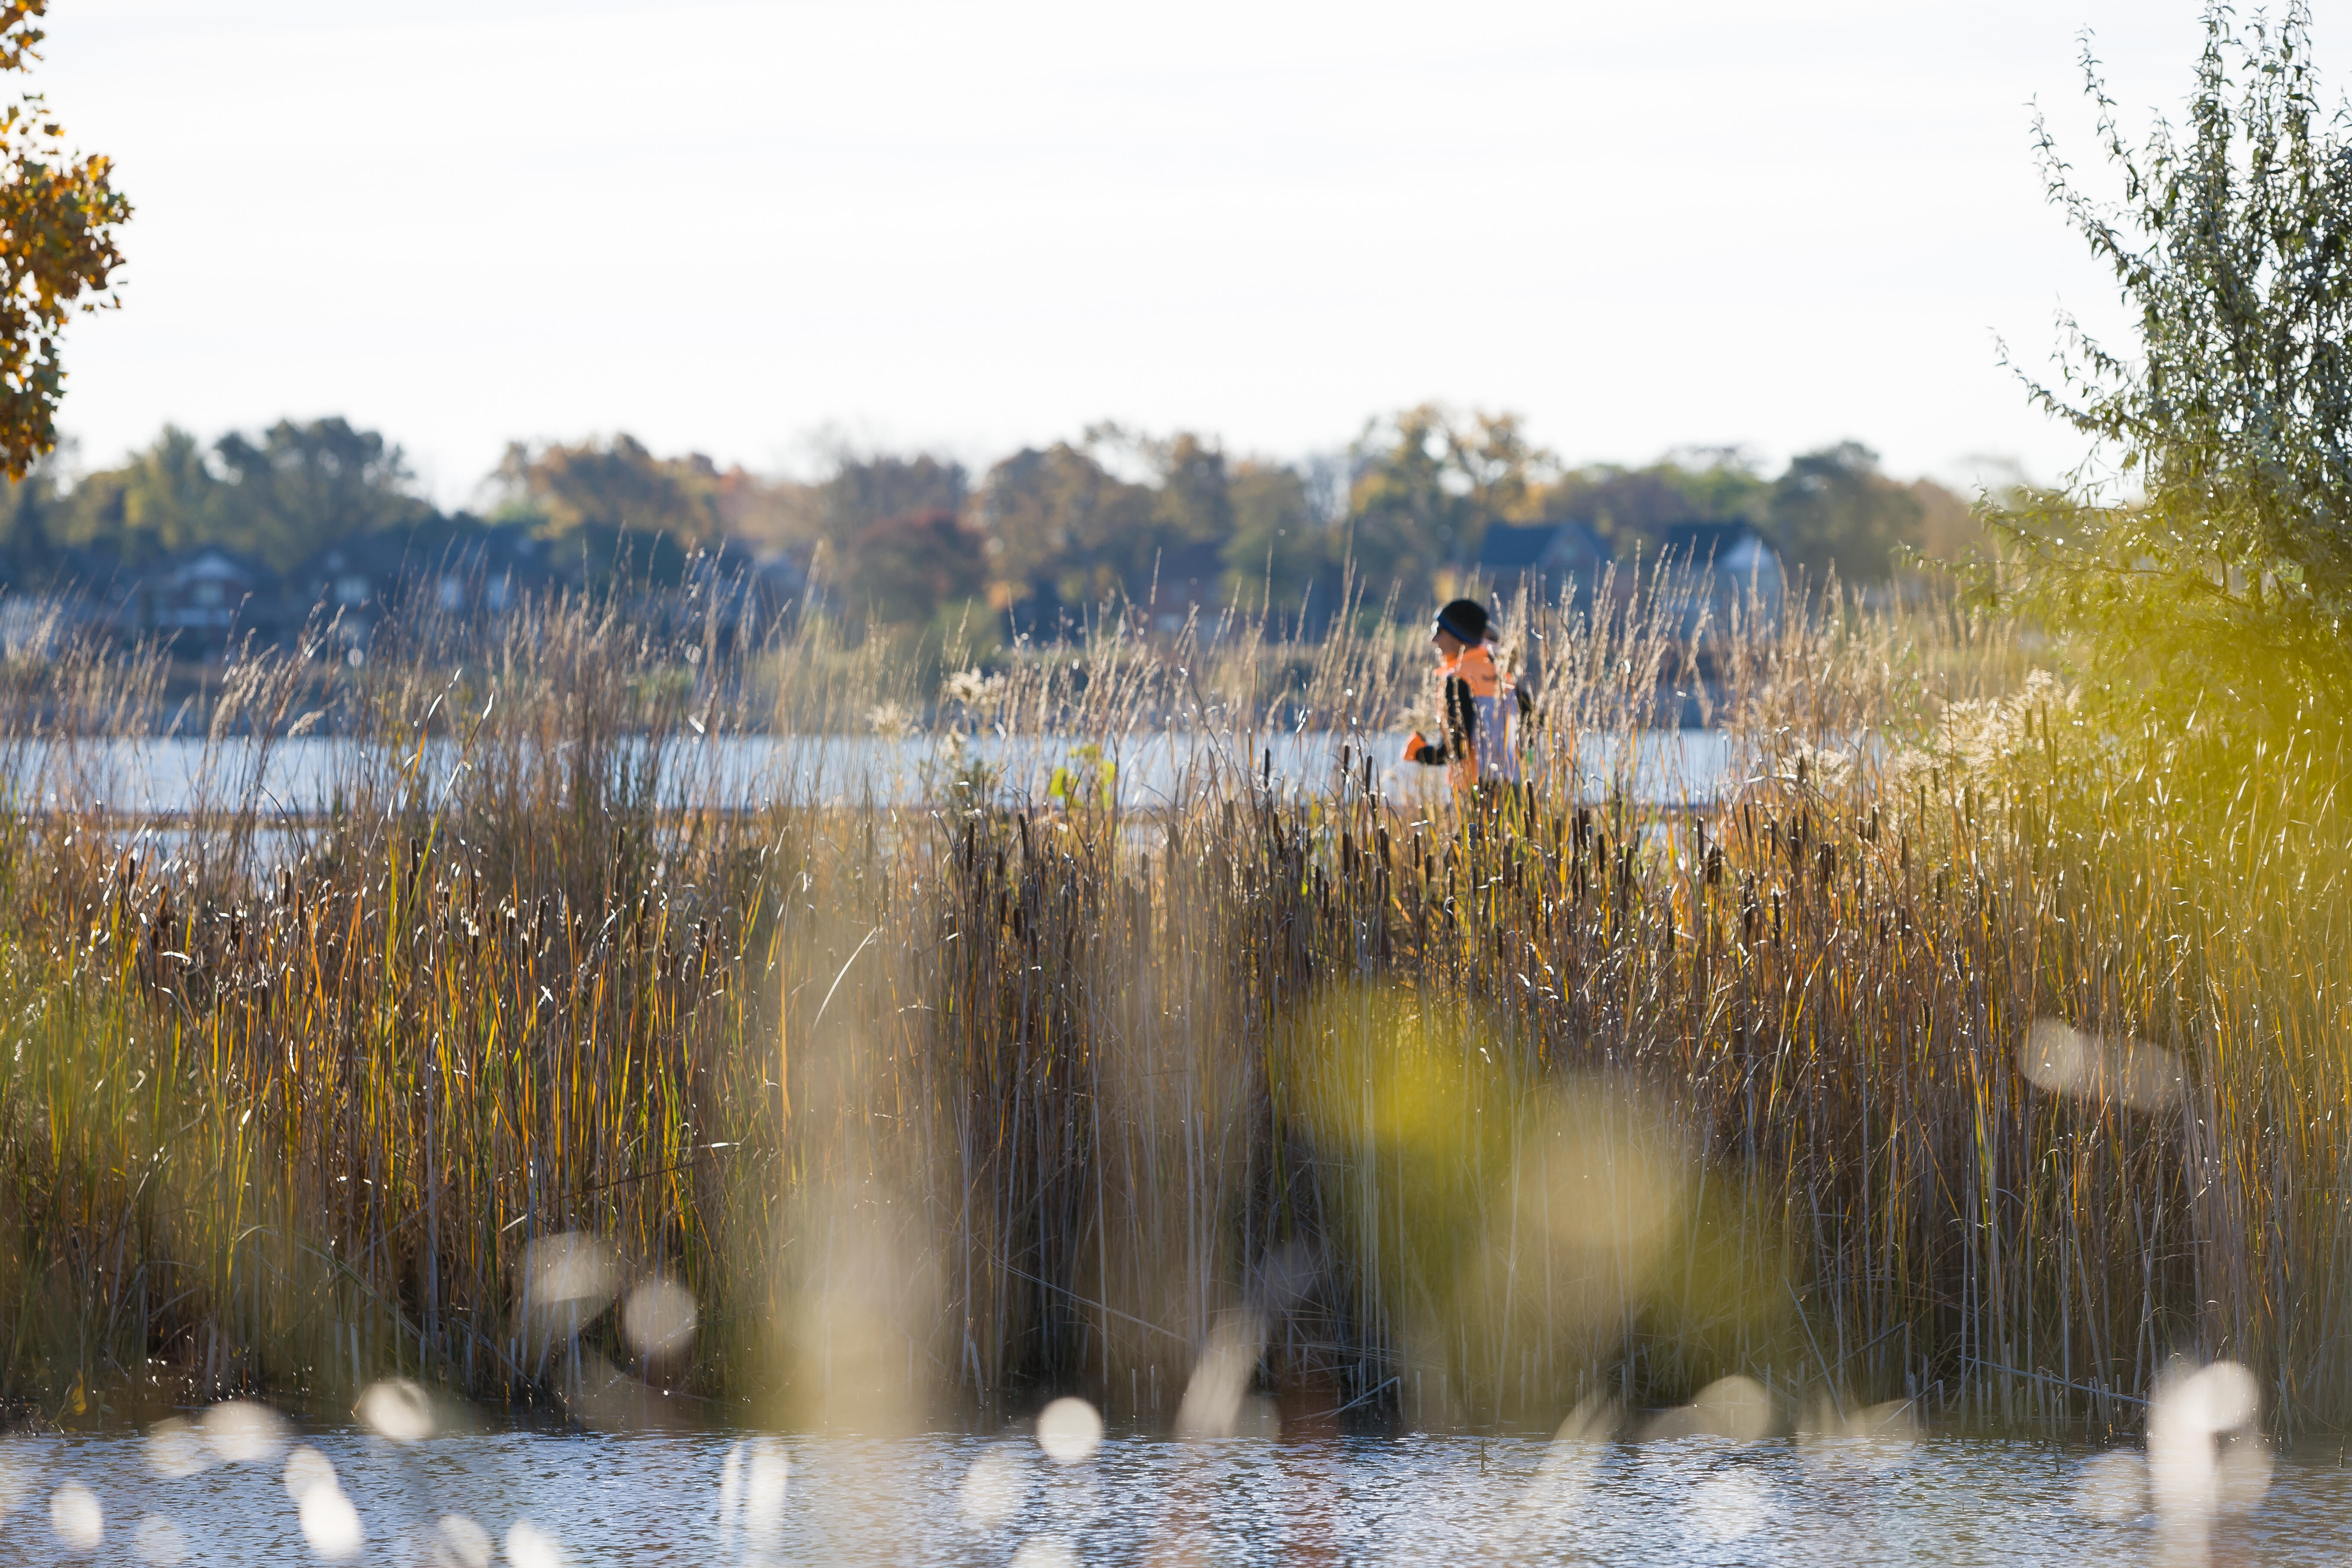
938, 1092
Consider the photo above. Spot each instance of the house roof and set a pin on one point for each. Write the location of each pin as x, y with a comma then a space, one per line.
1700, 540
1178, 565
1535, 546
211, 560
395, 554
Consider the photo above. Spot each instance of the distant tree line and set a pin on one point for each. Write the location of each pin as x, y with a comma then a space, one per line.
905, 539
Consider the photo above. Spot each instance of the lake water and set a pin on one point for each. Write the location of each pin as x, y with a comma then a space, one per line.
166, 777
536, 1500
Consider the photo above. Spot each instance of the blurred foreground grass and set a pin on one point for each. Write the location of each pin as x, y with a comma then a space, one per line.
1964, 1052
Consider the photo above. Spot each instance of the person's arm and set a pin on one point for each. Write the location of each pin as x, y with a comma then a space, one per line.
1461, 726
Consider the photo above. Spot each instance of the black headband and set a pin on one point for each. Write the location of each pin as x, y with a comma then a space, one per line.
1461, 629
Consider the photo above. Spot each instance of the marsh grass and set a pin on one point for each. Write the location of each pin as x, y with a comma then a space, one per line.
1388, 1105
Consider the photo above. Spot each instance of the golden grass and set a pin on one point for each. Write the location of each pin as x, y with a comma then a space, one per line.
1457, 1112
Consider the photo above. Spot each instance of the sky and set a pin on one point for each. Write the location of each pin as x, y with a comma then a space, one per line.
762, 231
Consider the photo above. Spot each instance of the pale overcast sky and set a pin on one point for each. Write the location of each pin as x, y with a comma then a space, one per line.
731, 227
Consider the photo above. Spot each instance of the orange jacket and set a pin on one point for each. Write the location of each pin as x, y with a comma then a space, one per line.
1479, 712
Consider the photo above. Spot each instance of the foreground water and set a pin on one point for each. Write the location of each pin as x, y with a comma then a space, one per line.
536, 1500
305, 776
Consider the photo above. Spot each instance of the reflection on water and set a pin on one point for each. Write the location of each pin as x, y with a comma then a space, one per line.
304, 776
1060, 1496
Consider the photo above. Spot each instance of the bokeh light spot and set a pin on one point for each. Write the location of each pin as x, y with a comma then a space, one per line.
1729, 1505
571, 1268
75, 1519
1069, 1430
659, 1317
157, 1540
2061, 1059
396, 1408
2112, 1485
1735, 1408
242, 1432
464, 1543
994, 1487
307, 1469
1046, 1551
16, 1482
330, 1523
528, 1546
175, 1448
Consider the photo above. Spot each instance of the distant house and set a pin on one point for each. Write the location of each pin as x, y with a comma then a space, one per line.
781, 572
776, 587
738, 597
1187, 580
487, 573
95, 573
1545, 559
1715, 568
475, 573
202, 592
349, 586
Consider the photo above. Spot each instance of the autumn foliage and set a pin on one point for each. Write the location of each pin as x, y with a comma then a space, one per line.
58, 212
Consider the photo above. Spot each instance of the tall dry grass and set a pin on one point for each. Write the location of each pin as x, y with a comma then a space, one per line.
1960, 1051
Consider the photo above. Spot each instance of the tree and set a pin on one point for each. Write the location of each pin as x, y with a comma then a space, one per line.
1632, 508
279, 497
163, 499
1951, 532
1193, 501
1061, 529
1428, 483
58, 212
1279, 548
865, 491
1188, 530
304, 487
28, 515
905, 570
1834, 509
763, 512
2225, 584
612, 487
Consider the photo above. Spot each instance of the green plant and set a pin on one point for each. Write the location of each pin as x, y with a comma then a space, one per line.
2221, 591
1086, 781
